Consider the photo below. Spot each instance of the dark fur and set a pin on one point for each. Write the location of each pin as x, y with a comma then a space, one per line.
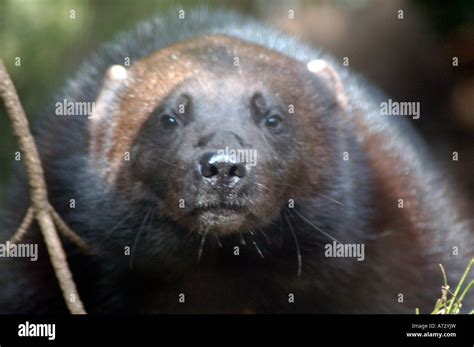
401, 257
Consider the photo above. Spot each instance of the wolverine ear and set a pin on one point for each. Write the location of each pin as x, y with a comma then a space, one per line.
113, 82
328, 74
102, 119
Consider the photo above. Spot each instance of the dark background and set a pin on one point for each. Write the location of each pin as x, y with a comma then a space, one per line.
410, 59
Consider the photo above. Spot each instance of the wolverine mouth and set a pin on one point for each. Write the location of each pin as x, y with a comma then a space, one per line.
224, 208
222, 218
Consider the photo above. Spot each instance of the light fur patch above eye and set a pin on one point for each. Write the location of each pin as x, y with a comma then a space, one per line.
258, 102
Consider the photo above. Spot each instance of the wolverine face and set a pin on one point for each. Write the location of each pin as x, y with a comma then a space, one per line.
218, 154
220, 146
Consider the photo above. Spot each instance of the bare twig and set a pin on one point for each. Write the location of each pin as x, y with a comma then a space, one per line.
38, 192
24, 226
62, 226
68, 233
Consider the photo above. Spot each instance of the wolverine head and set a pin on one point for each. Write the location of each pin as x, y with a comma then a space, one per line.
217, 133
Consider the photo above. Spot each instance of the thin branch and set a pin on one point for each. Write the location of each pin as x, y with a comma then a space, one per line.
24, 226
69, 234
38, 192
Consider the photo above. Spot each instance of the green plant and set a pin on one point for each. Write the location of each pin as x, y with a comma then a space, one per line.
449, 302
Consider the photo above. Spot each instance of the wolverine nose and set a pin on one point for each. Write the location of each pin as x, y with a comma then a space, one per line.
215, 165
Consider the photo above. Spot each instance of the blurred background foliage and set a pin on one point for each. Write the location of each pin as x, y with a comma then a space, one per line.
410, 58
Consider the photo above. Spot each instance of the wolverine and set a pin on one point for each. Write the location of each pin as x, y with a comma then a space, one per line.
178, 225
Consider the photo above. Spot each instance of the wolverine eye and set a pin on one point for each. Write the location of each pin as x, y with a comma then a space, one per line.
273, 122
168, 122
